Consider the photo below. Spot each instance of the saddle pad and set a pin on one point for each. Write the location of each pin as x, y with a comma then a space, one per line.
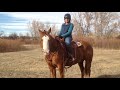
78, 44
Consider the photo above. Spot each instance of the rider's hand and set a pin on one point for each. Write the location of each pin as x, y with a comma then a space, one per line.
60, 37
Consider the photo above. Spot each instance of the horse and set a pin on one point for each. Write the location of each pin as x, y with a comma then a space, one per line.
56, 54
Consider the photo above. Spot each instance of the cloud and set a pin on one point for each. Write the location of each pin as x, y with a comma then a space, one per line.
13, 24
42, 16
15, 27
18, 21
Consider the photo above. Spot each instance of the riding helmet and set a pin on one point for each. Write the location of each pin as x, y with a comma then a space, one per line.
67, 16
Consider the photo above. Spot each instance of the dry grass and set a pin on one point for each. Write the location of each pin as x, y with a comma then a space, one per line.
7, 45
31, 64
29, 41
107, 43
11, 45
101, 43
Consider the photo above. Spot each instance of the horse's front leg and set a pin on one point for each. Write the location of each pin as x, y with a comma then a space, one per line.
52, 71
61, 70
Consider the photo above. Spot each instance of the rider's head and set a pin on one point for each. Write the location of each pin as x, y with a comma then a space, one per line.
67, 18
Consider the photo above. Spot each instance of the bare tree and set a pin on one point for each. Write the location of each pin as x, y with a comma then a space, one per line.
13, 36
35, 25
101, 24
108, 24
27, 35
1, 33
83, 22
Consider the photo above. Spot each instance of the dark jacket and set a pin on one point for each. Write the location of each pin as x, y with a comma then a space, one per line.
66, 30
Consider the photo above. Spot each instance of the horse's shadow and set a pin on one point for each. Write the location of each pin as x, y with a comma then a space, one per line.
109, 76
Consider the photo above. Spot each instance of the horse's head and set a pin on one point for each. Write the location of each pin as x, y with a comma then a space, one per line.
45, 38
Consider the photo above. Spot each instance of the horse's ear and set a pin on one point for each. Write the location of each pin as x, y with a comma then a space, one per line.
42, 33
49, 31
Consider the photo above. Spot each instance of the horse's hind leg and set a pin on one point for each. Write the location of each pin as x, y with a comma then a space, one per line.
81, 68
88, 68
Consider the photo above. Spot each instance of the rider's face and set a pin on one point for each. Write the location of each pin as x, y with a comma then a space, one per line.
66, 20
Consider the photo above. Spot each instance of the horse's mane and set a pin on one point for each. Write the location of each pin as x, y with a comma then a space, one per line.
55, 44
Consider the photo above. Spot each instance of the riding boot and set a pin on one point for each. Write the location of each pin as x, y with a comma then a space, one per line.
70, 51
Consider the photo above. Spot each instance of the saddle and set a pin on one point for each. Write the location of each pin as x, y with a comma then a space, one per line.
74, 46
69, 61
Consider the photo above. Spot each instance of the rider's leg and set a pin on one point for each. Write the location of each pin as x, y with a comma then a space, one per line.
69, 49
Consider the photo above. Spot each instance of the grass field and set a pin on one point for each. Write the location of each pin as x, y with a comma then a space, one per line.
31, 64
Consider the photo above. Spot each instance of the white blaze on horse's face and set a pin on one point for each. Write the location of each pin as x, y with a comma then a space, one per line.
45, 44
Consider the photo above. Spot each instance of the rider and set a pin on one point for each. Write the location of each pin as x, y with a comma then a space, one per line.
66, 33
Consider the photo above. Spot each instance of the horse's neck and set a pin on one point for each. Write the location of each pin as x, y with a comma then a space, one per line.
54, 45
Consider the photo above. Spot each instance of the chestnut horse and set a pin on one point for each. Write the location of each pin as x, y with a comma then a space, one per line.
55, 55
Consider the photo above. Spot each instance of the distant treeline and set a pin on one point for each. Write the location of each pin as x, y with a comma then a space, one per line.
101, 29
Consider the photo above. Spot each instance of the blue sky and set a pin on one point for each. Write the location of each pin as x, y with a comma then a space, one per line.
18, 21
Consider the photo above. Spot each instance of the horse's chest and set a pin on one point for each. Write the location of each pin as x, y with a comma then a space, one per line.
53, 58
